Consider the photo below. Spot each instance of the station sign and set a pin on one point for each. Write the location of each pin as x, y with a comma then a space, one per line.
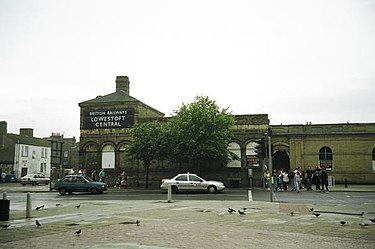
108, 118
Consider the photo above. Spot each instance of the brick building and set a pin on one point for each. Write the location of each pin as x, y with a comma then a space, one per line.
346, 150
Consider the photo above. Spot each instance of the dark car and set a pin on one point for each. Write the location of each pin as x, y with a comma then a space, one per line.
79, 183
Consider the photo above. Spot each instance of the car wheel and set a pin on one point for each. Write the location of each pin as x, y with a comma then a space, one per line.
174, 190
47, 182
211, 189
62, 191
95, 190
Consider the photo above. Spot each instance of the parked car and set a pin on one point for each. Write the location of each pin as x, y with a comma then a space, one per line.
191, 182
79, 183
34, 179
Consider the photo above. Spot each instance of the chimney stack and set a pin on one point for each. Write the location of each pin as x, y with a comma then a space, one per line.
122, 84
27, 132
3, 127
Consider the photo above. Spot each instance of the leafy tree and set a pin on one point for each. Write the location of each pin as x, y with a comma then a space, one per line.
200, 131
145, 145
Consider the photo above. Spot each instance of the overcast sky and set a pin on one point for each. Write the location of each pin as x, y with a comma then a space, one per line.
297, 61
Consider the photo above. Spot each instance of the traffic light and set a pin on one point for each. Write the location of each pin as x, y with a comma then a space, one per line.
260, 148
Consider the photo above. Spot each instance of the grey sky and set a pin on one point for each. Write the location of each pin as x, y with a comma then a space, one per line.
298, 61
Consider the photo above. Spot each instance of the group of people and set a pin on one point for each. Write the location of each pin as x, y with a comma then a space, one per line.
281, 179
94, 174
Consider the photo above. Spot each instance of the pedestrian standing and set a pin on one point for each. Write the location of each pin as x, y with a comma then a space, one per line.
94, 175
297, 180
3, 176
324, 179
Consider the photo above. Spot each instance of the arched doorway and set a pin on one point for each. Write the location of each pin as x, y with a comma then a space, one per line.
280, 160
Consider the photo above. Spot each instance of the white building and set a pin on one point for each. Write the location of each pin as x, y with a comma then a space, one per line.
30, 159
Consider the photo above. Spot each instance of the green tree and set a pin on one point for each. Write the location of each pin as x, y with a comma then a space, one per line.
145, 145
200, 131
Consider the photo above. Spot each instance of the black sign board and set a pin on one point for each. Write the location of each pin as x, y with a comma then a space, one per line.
108, 118
252, 161
327, 164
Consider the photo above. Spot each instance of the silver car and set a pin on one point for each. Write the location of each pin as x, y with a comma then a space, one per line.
34, 179
191, 182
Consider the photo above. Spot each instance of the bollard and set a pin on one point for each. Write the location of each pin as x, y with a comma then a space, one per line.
28, 205
4, 208
346, 182
169, 194
4, 195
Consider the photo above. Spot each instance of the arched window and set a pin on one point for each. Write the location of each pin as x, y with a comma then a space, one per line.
108, 157
236, 149
326, 158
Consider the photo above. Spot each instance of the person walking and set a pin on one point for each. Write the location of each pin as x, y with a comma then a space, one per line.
102, 175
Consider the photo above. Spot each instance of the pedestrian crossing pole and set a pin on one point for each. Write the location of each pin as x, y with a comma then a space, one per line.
270, 162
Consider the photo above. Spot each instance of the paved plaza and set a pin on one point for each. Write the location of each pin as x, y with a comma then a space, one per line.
193, 224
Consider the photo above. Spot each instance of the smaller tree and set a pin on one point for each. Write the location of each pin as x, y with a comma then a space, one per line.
145, 145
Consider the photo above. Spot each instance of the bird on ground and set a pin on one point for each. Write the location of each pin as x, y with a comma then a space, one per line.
78, 206
342, 222
58, 204
37, 223
363, 224
316, 214
372, 220
311, 209
138, 222
231, 210
291, 213
5, 226
241, 212
78, 232
39, 207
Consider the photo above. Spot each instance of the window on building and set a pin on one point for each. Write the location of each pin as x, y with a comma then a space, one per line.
25, 151
108, 157
326, 158
43, 167
236, 149
325, 153
44, 152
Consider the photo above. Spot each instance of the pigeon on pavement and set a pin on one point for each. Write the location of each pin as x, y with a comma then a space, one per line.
291, 213
342, 222
78, 232
5, 226
241, 212
138, 222
39, 207
231, 210
316, 214
78, 206
58, 204
363, 224
37, 223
